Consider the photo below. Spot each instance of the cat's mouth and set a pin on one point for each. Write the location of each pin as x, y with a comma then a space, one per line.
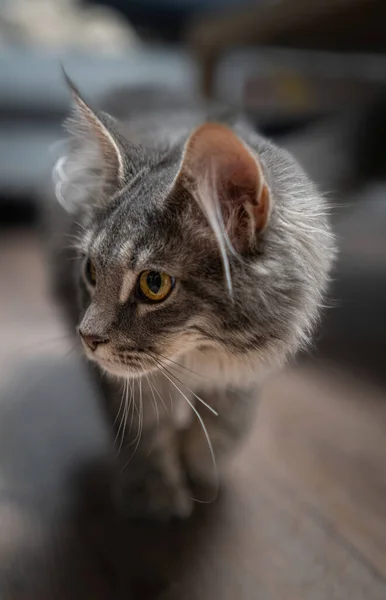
126, 361
135, 365
120, 369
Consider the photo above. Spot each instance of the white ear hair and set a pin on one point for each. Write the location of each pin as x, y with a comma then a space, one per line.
90, 123
59, 180
93, 167
229, 186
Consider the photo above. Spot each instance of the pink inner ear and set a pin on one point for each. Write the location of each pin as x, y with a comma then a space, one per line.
215, 149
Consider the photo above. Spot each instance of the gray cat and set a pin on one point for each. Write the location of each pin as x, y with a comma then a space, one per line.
202, 254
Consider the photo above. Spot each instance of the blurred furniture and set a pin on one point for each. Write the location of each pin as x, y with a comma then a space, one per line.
167, 19
34, 101
344, 25
288, 86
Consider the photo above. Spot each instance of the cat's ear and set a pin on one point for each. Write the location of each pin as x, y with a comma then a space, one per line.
226, 178
94, 167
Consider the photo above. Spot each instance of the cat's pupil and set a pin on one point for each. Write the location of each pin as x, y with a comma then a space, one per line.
154, 281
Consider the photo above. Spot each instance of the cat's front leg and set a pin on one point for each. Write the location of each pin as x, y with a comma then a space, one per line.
151, 481
235, 409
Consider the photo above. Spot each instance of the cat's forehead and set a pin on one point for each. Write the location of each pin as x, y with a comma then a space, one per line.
126, 246
135, 211
135, 240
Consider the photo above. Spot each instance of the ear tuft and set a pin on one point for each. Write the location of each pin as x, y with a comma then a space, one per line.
94, 167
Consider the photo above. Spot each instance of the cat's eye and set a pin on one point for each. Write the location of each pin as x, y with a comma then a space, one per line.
155, 285
90, 272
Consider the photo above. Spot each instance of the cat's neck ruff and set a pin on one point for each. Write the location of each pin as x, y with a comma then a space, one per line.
215, 368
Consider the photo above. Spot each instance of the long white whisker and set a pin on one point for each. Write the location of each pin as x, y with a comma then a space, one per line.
189, 390
171, 403
160, 397
157, 412
179, 365
199, 398
208, 190
118, 414
125, 414
140, 418
120, 405
154, 400
131, 404
140, 426
225, 234
215, 472
137, 437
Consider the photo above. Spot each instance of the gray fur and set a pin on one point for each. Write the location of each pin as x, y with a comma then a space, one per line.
224, 346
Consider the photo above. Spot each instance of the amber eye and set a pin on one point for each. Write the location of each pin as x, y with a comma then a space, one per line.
155, 285
90, 272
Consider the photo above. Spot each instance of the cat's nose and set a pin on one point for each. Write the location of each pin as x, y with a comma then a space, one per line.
92, 341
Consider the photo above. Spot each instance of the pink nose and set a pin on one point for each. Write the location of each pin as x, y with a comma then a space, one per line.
92, 341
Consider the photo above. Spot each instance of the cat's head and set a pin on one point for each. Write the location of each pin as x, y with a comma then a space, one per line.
216, 243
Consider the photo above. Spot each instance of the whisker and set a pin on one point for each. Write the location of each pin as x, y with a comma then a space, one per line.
154, 400
140, 424
142, 414
120, 405
215, 472
124, 419
157, 413
126, 411
191, 391
131, 405
178, 364
206, 189
138, 436
122, 425
171, 403
160, 397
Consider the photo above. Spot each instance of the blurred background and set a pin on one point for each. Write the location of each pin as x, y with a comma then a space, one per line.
306, 498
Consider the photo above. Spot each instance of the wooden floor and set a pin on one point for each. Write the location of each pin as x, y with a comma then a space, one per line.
303, 515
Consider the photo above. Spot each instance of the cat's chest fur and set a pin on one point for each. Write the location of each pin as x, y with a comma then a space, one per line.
216, 369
